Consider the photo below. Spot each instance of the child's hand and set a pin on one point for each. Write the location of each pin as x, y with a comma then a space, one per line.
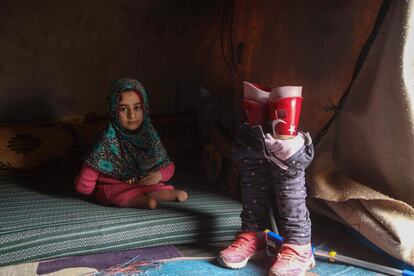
151, 179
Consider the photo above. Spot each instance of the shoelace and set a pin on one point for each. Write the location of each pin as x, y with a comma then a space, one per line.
242, 241
288, 254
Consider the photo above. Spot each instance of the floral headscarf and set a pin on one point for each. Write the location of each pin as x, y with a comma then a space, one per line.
125, 154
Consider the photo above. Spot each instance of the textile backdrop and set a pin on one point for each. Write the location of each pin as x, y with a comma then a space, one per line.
364, 167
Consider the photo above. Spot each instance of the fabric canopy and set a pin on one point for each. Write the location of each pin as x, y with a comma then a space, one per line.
364, 167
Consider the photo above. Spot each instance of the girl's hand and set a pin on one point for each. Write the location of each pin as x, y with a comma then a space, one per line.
151, 179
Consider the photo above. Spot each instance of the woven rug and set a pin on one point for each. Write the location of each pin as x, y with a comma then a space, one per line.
105, 260
95, 264
208, 266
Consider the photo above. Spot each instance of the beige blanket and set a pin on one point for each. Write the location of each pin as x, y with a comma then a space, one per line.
364, 167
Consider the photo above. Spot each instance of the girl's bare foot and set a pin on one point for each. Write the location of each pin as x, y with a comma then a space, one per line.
181, 195
169, 195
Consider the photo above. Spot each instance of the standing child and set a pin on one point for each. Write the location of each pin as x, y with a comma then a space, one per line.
128, 166
272, 171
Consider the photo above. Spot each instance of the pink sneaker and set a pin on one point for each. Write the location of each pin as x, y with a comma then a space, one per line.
245, 246
293, 260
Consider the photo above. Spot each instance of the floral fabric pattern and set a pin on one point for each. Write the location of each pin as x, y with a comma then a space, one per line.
126, 154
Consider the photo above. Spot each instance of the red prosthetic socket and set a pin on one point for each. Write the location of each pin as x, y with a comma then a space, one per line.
255, 101
255, 113
285, 104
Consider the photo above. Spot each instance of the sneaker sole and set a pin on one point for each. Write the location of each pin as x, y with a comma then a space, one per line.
257, 256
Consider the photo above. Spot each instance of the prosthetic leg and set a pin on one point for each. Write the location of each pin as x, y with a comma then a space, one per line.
249, 148
292, 152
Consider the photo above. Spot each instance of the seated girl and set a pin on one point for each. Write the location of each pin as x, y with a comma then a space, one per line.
128, 166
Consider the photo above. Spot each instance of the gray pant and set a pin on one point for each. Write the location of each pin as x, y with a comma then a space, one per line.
266, 185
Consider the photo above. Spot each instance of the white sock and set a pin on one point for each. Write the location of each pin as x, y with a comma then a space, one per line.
284, 149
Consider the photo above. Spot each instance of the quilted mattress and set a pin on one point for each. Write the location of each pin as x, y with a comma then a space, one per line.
41, 217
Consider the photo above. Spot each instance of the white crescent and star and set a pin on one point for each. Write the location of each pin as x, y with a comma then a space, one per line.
292, 129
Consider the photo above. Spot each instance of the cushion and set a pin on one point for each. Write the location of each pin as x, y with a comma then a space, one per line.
24, 147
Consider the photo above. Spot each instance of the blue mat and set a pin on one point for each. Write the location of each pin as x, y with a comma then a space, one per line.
210, 267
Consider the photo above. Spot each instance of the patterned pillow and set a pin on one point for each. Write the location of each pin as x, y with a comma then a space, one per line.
25, 147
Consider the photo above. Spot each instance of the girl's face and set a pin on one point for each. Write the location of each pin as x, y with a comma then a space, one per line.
130, 112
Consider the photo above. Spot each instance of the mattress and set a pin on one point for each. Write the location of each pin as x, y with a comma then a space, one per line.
41, 217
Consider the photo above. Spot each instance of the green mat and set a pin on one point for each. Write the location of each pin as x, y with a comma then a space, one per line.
42, 218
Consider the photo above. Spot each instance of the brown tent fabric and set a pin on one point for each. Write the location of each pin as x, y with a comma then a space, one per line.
364, 167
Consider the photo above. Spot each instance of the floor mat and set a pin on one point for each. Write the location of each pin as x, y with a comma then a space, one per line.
91, 264
196, 266
105, 260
